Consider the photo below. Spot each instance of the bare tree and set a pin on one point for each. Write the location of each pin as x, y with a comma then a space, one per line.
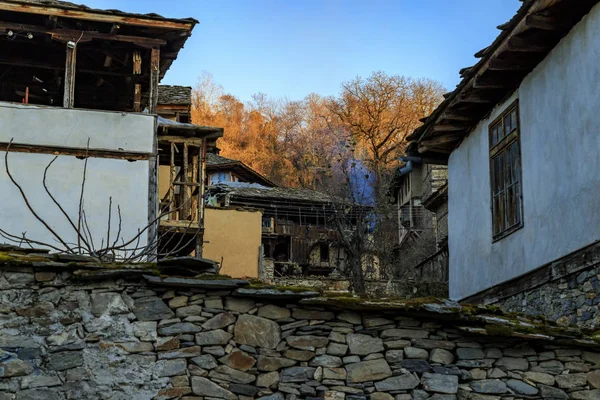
366, 230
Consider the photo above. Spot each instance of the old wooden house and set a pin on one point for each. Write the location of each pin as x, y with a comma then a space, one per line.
418, 191
297, 236
83, 84
521, 139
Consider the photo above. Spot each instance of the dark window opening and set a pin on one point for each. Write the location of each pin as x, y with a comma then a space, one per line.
184, 118
324, 250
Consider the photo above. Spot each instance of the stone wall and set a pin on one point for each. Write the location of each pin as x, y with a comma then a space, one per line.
572, 300
126, 339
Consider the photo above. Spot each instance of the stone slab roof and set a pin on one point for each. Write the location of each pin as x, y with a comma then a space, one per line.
277, 193
175, 95
215, 159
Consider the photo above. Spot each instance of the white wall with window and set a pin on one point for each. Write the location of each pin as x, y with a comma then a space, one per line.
524, 194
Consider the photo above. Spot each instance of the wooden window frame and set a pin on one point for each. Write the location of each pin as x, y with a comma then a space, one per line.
501, 146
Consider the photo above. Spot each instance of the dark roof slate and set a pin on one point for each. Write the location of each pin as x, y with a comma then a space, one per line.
260, 192
172, 94
214, 159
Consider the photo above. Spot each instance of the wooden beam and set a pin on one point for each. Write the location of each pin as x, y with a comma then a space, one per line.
80, 153
137, 98
180, 139
475, 99
154, 78
481, 82
82, 36
126, 19
498, 64
438, 140
449, 127
427, 149
527, 45
201, 191
69, 92
456, 116
37, 65
172, 178
546, 23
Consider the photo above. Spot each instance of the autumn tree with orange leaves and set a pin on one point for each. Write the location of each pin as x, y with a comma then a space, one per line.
379, 112
302, 143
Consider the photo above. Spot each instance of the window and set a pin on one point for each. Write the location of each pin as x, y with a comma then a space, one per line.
183, 117
505, 173
324, 250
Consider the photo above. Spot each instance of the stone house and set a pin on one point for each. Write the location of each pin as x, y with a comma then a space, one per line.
82, 84
519, 137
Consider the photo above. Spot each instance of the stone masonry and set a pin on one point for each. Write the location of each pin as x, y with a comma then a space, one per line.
151, 337
572, 300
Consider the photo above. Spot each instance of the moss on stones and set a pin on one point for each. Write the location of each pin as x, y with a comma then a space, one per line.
257, 285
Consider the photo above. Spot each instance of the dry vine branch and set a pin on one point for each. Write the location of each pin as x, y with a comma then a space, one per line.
111, 252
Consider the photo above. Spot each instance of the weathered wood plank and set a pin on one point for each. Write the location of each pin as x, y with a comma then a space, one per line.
154, 79
543, 22
438, 140
509, 65
57, 150
137, 98
69, 89
516, 43
91, 16
83, 36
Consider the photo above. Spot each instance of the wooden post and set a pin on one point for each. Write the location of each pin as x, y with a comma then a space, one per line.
137, 98
137, 63
154, 78
195, 158
201, 179
172, 173
185, 209
69, 93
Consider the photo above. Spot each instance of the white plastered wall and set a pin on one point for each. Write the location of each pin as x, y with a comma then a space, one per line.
560, 145
126, 182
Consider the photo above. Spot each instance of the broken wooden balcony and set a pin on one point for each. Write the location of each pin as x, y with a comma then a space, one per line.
182, 151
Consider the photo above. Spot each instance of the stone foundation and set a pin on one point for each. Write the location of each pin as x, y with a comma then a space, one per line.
572, 300
565, 291
125, 339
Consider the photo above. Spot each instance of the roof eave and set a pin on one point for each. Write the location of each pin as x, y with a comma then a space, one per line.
99, 15
497, 75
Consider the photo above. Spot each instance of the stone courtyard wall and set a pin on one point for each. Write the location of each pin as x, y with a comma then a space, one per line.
127, 339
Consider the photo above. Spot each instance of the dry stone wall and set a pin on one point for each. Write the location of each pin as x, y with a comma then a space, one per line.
572, 300
126, 339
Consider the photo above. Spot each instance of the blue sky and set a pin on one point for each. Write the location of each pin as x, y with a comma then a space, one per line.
289, 48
